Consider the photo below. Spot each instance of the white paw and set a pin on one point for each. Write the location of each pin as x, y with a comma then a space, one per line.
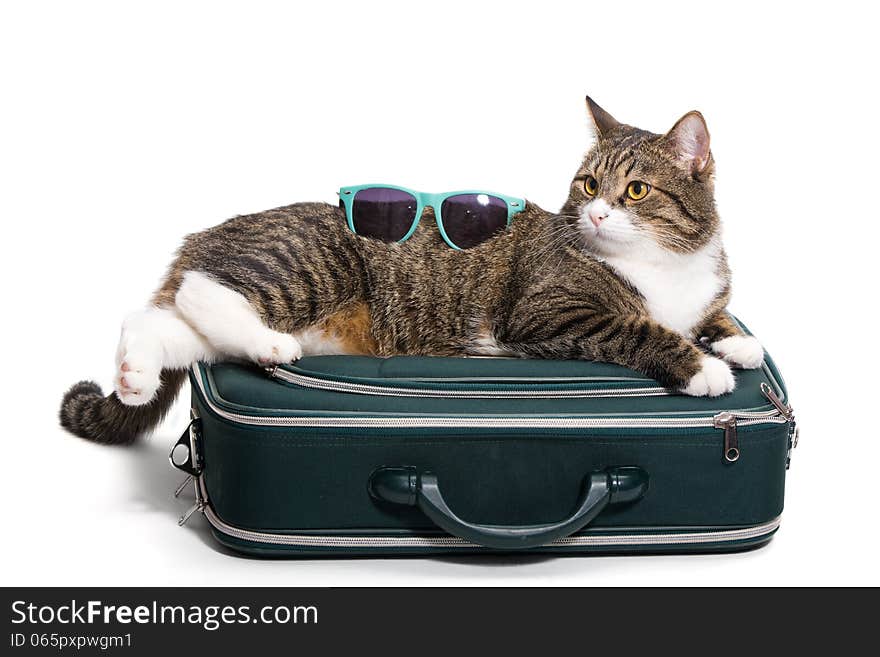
713, 379
137, 378
742, 350
273, 348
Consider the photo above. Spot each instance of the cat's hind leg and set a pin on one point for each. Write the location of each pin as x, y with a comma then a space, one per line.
154, 339
230, 323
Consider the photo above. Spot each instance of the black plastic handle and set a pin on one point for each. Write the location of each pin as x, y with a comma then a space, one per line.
406, 485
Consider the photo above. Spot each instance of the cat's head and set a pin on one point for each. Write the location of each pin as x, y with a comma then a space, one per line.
637, 190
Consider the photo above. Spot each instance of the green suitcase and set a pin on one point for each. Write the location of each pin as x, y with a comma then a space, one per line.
343, 455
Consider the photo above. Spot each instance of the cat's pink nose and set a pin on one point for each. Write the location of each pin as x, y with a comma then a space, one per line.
597, 216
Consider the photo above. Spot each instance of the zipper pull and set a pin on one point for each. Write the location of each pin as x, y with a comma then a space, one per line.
198, 506
785, 409
727, 421
788, 413
183, 484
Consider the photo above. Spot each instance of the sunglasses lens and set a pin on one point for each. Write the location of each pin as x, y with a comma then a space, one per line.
383, 213
469, 219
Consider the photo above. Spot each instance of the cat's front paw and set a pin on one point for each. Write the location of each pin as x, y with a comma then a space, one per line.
742, 350
275, 348
713, 379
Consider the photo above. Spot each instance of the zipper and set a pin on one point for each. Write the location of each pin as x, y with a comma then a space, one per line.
416, 541
391, 391
727, 421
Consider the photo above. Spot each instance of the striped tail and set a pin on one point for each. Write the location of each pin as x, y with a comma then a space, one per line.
87, 413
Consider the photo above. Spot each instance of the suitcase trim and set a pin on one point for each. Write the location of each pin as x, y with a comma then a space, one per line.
743, 418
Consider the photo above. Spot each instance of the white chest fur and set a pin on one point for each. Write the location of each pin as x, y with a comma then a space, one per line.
677, 288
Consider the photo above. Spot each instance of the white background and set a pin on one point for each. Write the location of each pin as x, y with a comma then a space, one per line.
125, 127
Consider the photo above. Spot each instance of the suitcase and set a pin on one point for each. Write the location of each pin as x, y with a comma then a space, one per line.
345, 455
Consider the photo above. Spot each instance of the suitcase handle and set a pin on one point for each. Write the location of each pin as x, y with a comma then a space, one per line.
406, 485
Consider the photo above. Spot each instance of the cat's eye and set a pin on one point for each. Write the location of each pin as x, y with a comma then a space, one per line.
591, 186
637, 190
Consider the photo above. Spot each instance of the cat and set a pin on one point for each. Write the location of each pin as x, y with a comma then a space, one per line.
630, 271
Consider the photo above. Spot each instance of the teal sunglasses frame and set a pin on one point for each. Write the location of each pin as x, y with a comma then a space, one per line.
427, 200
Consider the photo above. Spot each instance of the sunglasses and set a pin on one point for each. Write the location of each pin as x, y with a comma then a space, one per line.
391, 213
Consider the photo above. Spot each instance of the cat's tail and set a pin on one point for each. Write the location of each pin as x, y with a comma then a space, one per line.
87, 413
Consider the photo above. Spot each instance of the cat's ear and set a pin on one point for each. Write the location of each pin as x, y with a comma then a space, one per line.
603, 121
689, 142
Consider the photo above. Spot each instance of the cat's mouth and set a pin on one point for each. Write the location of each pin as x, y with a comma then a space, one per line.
607, 236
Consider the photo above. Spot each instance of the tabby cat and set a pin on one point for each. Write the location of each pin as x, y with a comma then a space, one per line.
630, 271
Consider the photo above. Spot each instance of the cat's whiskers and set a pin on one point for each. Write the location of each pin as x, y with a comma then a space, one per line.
664, 238
661, 229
